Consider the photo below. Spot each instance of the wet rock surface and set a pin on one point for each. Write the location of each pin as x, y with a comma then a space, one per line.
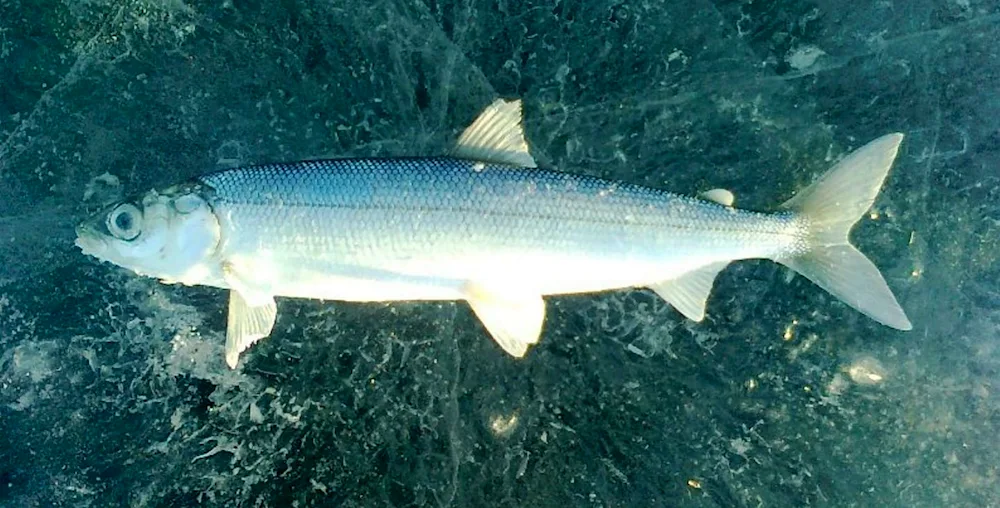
114, 389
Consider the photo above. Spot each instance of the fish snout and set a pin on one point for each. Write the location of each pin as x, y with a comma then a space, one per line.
89, 240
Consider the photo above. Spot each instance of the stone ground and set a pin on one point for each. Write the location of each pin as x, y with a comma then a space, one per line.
113, 391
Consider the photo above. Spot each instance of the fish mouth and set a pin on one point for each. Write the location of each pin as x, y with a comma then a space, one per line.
89, 241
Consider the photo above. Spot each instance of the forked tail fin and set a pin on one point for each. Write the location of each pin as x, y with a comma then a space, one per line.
831, 207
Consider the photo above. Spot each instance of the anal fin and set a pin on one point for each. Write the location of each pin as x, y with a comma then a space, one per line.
246, 324
514, 319
689, 292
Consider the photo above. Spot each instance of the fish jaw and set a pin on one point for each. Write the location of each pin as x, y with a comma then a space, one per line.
90, 242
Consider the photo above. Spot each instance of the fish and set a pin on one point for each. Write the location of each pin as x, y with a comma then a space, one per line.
483, 224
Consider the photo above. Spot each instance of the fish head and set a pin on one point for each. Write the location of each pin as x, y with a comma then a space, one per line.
171, 234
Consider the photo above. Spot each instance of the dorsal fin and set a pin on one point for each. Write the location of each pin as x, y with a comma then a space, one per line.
721, 196
496, 136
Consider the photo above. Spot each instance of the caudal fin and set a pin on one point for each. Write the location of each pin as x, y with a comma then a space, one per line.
831, 207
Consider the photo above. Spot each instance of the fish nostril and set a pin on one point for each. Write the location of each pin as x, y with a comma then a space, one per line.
84, 229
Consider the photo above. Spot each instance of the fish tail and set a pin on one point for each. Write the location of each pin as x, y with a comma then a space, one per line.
831, 206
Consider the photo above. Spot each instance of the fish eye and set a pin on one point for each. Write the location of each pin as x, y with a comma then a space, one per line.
124, 221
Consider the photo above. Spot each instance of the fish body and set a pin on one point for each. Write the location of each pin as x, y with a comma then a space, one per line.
482, 225
421, 228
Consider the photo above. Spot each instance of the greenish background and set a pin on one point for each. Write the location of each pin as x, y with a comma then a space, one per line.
113, 391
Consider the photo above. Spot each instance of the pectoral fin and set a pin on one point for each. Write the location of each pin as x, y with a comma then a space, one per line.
513, 319
246, 324
689, 293
239, 275
252, 310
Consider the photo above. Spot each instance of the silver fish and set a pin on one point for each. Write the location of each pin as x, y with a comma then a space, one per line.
482, 224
